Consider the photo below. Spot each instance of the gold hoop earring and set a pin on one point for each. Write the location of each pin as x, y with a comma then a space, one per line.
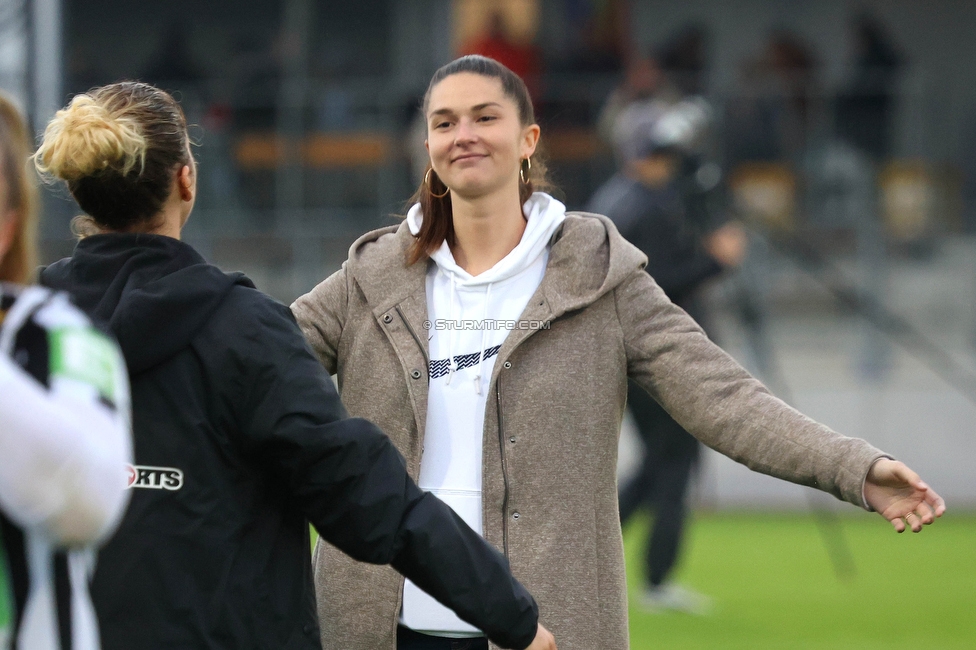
524, 172
429, 188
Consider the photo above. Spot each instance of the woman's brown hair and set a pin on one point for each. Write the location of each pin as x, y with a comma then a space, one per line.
15, 143
118, 148
433, 195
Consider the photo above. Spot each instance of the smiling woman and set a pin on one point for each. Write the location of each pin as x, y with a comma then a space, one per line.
517, 430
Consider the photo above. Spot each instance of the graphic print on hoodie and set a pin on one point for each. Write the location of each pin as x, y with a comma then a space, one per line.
463, 348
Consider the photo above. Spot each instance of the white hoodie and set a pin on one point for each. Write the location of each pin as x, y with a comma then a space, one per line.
463, 346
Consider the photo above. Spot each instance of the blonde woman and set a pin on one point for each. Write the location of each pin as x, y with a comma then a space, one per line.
64, 432
491, 335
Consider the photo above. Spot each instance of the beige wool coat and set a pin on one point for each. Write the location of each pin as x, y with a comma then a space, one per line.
552, 421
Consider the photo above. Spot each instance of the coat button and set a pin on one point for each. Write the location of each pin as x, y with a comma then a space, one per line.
512, 440
515, 515
387, 318
415, 374
507, 365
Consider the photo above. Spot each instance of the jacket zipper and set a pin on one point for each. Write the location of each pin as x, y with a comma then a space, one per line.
423, 351
501, 449
501, 443
423, 348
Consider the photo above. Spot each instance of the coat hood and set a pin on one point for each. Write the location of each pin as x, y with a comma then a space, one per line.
153, 292
587, 259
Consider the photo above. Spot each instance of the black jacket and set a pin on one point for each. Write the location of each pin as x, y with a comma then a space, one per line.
240, 439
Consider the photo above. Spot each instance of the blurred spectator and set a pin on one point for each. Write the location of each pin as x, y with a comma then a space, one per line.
655, 84
773, 113
684, 57
255, 74
650, 100
599, 33
642, 97
521, 58
172, 64
866, 107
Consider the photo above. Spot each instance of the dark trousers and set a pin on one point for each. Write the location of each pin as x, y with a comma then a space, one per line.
670, 455
407, 639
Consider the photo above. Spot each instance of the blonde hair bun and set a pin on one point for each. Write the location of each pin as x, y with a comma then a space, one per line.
86, 138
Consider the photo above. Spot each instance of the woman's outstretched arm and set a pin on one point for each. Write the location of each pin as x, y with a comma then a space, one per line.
719, 403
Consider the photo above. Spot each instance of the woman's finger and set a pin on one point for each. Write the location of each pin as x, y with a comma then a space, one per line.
914, 521
924, 511
898, 524
935, 501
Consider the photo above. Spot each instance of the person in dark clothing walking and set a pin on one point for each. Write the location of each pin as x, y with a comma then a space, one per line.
647, 203
240, 437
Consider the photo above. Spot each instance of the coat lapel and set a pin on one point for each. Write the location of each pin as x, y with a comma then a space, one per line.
575, 273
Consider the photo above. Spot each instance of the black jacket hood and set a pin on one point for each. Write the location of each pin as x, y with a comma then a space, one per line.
153, 292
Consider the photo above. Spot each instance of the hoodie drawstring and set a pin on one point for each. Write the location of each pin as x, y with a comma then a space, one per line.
452, 363
484, 335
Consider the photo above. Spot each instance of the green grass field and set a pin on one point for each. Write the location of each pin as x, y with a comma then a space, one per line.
774, 586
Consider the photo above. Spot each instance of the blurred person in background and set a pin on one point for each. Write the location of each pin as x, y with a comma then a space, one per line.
172, 62
668, 82
491, 334
643, 96
648, 205
240, 437
524, 59
866, 108
596, 33
777, 106
684, 56
64, 432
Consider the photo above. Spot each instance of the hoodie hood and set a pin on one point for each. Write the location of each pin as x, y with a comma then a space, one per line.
154, 293
543, 216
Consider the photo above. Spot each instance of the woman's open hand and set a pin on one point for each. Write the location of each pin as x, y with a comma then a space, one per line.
901, 496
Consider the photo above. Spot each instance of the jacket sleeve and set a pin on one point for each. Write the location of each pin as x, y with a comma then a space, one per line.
321, 314
719, 403
353, 485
